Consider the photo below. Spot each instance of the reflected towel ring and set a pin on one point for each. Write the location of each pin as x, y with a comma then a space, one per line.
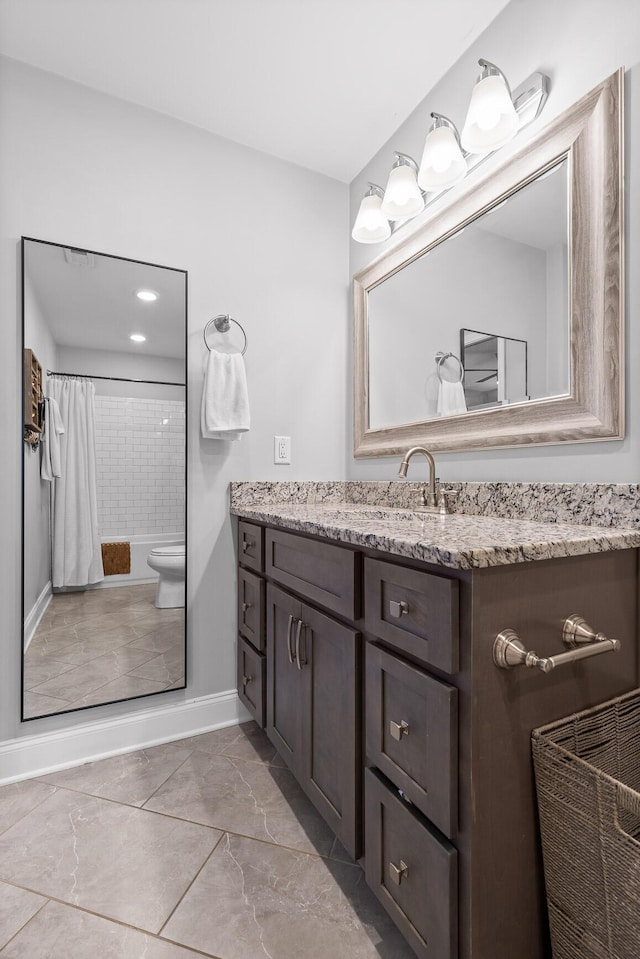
441, 358
222, 324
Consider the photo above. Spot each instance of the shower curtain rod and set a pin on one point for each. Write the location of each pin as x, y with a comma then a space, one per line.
117, 379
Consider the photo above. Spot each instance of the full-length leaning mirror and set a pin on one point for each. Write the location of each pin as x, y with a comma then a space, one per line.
499, 321
104, 478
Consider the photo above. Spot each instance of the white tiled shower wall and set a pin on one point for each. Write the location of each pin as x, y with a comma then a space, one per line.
140, 449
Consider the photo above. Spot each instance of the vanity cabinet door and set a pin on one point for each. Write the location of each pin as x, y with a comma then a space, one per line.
284, 688
329, 658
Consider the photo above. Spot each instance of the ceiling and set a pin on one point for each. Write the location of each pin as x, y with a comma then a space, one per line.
94, 305
321, 83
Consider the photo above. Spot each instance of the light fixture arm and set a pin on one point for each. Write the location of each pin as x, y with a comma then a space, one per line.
489, 69
403, 159
375, 190
441, 121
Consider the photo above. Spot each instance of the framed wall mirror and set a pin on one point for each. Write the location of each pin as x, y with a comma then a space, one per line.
526, 262
104, 478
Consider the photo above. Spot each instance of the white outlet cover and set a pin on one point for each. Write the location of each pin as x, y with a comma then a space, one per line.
282, 450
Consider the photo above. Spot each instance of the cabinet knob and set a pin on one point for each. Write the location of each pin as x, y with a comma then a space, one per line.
398, 609
246, 606
398, 730
398, 873
245, 545
246, 680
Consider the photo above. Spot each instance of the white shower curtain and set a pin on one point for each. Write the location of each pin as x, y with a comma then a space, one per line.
77, 552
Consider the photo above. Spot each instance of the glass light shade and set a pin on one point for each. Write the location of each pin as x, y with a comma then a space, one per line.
402, 197
442, 163
491, 119
371, 225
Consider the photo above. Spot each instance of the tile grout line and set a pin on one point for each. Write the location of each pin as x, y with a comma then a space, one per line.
100, 915
181, 899
24, 924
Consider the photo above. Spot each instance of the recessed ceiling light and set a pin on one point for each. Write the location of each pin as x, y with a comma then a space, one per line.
148, 296
137, 337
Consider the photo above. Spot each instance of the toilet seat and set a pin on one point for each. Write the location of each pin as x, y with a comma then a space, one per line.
168, 551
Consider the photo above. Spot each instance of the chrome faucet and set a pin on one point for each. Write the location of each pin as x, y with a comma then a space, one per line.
434, 498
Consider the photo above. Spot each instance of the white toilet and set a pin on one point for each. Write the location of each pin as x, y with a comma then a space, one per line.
168, 562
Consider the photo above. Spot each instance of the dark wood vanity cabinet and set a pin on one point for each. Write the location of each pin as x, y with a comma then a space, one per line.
381, 694
313, 707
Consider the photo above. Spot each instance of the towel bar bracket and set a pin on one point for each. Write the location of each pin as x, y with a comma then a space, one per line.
582, 641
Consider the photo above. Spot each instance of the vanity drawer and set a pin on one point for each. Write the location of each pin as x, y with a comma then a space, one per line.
251, 545
412, 870
251, 607
326, 574
251, 680
414, 611
412, 734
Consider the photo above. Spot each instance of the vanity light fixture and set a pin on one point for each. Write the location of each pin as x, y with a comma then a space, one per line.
147, 296
491, 118
371, 224
443, 164
137, 337
403, 197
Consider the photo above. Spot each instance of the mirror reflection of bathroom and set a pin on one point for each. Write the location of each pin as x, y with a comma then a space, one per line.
506, 272
495, 369
103, 478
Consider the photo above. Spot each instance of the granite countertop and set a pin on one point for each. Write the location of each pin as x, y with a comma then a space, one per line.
459, 541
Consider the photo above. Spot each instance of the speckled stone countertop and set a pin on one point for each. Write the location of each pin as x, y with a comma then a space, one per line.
459, 541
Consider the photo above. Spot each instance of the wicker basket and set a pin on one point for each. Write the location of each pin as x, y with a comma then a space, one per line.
588, 784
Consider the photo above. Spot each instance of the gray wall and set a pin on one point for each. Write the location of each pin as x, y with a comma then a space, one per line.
578, 43
262, 239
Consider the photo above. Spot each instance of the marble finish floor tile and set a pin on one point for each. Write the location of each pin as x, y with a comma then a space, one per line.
61, 932
17, 906
124, 687
131, 778
18, 799
96, 639
35, 705
249, 798
279, 904
246, 741
119, 861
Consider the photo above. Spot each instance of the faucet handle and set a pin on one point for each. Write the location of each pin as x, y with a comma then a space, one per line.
445, 498
422, 491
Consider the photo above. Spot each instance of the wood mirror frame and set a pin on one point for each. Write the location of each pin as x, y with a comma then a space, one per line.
589, 134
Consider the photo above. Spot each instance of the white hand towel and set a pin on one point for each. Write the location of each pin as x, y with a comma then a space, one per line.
225, 399
50, 465
451, 398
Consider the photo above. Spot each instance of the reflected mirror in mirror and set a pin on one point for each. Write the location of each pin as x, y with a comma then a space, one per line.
505, 272
495, 370
104, 478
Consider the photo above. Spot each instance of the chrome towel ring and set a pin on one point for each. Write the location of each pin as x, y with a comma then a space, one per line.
441, 358
222, 323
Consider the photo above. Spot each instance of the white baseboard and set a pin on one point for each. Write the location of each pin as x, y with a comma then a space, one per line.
37, 755
35, 614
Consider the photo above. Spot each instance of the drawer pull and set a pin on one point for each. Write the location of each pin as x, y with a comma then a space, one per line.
398, 730
398, 609
245, 545
289, 628
298, 631
246, 680
398, 873
246, 606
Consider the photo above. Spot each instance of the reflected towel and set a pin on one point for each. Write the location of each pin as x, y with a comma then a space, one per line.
225, 399
50, 464
451, 398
